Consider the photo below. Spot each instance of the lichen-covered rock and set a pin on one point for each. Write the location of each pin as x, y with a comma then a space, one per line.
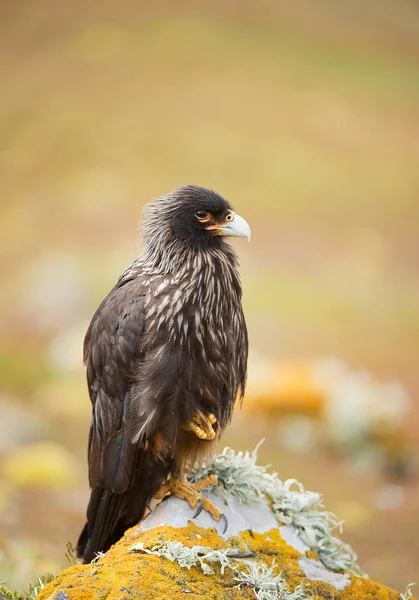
266, 552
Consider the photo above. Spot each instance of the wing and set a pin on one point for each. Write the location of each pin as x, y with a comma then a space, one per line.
112, 351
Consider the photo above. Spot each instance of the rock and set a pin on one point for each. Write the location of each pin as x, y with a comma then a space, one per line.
171, 555
315, 571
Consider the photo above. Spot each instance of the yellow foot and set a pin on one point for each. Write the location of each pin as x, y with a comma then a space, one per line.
190, 493
202, 426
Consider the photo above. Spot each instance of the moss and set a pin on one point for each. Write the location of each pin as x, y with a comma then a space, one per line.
6, 594
122, 574
31, 594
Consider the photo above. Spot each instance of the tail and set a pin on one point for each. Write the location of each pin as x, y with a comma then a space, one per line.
109, 515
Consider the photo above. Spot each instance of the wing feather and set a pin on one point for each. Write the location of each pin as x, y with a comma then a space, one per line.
112, 352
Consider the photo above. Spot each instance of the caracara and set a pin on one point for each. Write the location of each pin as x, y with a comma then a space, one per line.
166, 357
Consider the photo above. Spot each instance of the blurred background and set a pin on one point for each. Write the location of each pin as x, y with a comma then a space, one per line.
306, 117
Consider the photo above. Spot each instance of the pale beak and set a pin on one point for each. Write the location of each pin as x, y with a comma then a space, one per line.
238, 227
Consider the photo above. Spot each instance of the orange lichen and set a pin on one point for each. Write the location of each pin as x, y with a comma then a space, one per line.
123, 574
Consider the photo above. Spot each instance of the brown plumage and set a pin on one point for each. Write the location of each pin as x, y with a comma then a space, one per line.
166, 357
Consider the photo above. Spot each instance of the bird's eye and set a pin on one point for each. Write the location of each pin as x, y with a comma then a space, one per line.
201, 214
229, 217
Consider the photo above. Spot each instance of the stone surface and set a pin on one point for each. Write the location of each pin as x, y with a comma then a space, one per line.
290, 535
253, 535
316, 571
256, 516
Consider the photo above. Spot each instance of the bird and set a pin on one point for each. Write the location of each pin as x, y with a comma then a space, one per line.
166, 358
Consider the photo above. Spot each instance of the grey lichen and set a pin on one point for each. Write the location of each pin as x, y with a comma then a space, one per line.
408, 593
239, 476
98, 555
188, 557
268, 586
257, 576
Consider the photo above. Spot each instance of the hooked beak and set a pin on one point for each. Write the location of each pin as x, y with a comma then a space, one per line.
238, 227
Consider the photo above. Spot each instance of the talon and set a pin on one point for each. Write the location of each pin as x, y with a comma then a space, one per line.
197, 430
212, 419
199, 509
191, 493
202, 426
223, 518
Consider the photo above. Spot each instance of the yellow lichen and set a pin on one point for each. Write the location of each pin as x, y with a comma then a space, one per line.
123, 574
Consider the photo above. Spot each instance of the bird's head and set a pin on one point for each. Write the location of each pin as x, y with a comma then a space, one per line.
194, 217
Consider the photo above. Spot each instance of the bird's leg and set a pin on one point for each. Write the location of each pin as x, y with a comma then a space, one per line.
202, 425
174, 485
209, 480
190, 493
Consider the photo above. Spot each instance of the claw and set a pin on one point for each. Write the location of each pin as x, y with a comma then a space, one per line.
191, 493
197, 430
199, 509
223, 518
202, 426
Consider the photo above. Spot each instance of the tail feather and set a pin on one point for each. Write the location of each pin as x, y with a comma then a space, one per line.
106, 521
110, 514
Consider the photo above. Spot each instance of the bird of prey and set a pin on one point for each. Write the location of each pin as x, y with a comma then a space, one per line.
166, 357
